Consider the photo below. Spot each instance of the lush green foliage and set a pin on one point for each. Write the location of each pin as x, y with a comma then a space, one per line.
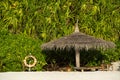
23, 22
50, 19
14, 48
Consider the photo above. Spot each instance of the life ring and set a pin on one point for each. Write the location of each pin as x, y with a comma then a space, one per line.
30, 65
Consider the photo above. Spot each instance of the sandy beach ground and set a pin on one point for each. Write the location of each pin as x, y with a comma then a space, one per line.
97, 75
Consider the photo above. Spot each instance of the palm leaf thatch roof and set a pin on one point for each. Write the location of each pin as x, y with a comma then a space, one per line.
79, 41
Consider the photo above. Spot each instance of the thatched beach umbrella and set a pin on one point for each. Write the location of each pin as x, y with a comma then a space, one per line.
78, 41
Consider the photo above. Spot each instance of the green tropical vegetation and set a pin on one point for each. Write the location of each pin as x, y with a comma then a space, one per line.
26, 24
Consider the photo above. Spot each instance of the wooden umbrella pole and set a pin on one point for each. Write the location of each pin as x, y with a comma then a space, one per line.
77, 56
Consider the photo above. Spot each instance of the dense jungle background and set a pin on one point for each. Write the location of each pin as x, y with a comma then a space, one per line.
26, 24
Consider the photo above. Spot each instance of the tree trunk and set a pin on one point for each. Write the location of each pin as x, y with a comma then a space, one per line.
77, 54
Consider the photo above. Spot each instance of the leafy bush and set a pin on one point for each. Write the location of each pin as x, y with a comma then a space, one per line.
52, 19
14, 48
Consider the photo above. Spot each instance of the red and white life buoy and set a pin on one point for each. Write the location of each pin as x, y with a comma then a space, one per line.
30, 65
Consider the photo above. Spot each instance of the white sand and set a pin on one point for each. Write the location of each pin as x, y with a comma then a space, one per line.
98, 75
